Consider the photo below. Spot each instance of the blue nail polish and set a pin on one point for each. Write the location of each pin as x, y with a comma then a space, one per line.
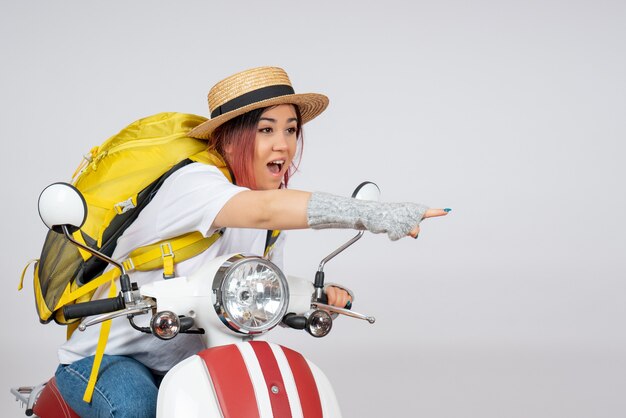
447, 210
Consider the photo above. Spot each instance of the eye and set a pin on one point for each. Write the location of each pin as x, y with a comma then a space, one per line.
292, 130
266, 130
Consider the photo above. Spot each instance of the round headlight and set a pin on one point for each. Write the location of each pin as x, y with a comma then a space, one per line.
251, 294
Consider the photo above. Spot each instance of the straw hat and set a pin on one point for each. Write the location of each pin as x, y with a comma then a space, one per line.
254, 89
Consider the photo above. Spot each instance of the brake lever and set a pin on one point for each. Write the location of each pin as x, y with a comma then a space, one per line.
139, 308
343, 311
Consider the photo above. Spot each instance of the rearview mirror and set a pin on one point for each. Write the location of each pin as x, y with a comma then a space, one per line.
62, 204
367, 191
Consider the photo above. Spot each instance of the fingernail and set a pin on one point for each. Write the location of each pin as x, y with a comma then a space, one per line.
446, 210
415, 237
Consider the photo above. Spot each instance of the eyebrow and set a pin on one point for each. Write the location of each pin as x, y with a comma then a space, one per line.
274, 120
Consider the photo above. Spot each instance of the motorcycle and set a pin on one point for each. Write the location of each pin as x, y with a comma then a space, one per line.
233, 301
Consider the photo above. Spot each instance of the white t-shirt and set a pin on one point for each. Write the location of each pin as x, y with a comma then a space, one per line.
189, 200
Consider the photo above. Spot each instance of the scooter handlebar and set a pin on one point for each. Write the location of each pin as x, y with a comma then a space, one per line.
94, 307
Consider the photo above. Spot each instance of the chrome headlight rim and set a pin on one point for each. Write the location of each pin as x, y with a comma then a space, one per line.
218, 286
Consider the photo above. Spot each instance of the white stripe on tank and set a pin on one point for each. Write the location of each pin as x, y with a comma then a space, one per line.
258, 381
288, 380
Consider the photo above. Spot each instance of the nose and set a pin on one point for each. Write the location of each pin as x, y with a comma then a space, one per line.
280, 144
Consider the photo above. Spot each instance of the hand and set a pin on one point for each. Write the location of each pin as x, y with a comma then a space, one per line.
338, 297
430, 213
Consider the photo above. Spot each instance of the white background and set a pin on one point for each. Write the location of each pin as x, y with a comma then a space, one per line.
509, 112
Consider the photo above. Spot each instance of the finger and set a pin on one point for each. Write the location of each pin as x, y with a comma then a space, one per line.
347, 300
415, 232
432, 213
339, 296
331, 295
342, 299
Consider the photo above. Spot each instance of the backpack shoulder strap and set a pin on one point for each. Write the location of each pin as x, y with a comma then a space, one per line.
270, 241
164, 254
93, 267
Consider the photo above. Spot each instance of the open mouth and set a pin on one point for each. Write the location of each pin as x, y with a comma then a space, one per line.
275, 167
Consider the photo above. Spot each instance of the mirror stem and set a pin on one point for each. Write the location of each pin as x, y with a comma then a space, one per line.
339, 250
124, 279
319, 276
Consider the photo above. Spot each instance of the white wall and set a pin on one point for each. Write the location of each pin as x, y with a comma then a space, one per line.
511, 113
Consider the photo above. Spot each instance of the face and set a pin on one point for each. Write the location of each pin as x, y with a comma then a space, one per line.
274, 146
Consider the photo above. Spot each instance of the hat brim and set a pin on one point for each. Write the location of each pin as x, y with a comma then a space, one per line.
309, 104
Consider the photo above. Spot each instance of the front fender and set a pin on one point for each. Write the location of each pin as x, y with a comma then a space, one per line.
249, 379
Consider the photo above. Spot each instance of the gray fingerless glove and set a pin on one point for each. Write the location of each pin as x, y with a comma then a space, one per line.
395, 219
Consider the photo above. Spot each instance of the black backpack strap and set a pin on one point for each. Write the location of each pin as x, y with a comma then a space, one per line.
94, 266
270, 241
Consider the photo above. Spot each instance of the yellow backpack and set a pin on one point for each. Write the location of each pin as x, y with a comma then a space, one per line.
118, 179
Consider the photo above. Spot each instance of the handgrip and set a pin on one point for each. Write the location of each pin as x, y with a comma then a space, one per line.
324, 298
94, 307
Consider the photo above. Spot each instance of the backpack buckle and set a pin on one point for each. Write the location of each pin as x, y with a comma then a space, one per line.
124, 206
167, 254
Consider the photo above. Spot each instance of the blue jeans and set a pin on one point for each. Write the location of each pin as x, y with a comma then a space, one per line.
125, 388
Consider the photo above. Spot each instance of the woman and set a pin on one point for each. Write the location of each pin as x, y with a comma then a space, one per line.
255, 131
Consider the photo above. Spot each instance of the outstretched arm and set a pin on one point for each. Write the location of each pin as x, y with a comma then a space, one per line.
294, 209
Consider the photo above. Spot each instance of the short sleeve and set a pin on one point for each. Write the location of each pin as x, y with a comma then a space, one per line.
191, 199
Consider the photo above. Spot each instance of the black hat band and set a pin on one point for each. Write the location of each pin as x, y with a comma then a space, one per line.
254, 96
